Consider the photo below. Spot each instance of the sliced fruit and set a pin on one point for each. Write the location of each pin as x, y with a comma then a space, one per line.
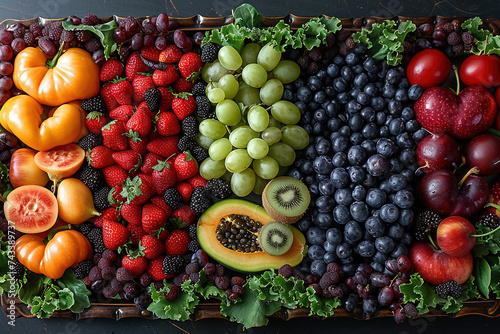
75, 201
31, 209
286, 199
275, 238
61, 161
24, 171
244, 257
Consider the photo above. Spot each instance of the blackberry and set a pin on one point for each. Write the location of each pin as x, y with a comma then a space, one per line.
153, 99
91, 177
190, 126
219, 188
193, 245
199, 153
90, 141
202, 106
16, 269
101, 198
199, 200
95, 238
192, 231
198, 89
209, 52
95, 103
83, 269
491, 220
86, 228
450, 288
426, 222
173, 264
186, 143
173, 198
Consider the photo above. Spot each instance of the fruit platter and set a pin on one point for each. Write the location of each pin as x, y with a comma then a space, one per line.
247, 167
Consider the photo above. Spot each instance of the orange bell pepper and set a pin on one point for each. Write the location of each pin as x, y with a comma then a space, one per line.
66, 249
69, 76
22, 116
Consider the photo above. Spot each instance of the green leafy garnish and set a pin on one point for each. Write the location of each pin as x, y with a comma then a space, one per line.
247, 16
6, 187
104, 31
180, 309
486, 43
385, 41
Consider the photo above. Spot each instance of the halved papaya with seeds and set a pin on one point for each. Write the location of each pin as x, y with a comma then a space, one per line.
246, 218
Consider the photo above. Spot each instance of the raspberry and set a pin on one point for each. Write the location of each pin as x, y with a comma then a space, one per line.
108, 273
173, 291
192, 267
285, 271
222, 282
109, 254
29, 39
145, 279
194, 277
83, 35
450, 288
90, 20
95, 274
329, 278
237, 280
124, 274
209, 268
104, 263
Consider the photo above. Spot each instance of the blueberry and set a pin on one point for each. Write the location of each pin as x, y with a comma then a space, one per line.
318, 267
356, 138
375, 198
395, 166
404, 199
415, 92
363, 99
326, 187
358, 69
320, 116
359, 193
307, 167
380, 257
316, 252
404, 83
370, 130
325, 203
368, 114
407, 114
314, 188
393, 76
396, 231
369, 146
334, 124
333, 70
352, 59
349, 269
344, 250
385, 187
315, 236
339, 177
334, 236
401, 95
323, 146
341, 214
380, 118
419, 135
375, 226
377, 103
340, 144
371, 89
340, 85
356, 174
323, 164
371, 65
404, 140
339, 159
386, 147
406, 217
288, 95
304, 224
356, 155
395, 107
353, 107
314, 83
370, 181
329, 246
413, 126
332, 109
343, 97
307, 117
354, 92
319, 128
389, 213
304, 94
295, 173
347, 73
377, 165
330, 257
361, 80
399, 250
397, 182
383, 131
389, 91
329, 90
377, 266
385, 244
366, 248
396, 127
319, 97
359, 211
407, 239
352, 231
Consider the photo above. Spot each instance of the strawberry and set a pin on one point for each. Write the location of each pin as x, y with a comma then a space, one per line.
183, 85
170, 55
136, 233
150, 52
137, 190
155, 269
167, 124
164, 176
148, 178
166, 77
134, 65
190, 63
153, 247
111, 69
117, 93
114, 197
95, 121
162, 234
141, 84
164, 146
183, 105
153, 218
160, 202
144, 106
128, 159
185, 189
100, 157
138, 144
183, 216
150, 160
197, 181
109, 214
139, 123
131, 213
114, 175
113, 137
177, 242
185, 166
166, 98
137, 265
122, 113
114, 234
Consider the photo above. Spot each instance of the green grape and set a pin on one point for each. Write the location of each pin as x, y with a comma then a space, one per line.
230, 85
203, 141
212, 128
287, 71
237, 161
282, 153
295, 136
254, 75
285, 112
213, 71
274, 122
267, 168
271, 92
258, 118
257, 148
215, 94
260, 184
220, 149
210, 169
271, 135
240, 123
268, 57
249, 53
240, 137
242, 183
247, 95
227, 176
228, 112
229, 58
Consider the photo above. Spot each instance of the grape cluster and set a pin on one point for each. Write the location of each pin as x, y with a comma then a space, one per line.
446, 36
8, 145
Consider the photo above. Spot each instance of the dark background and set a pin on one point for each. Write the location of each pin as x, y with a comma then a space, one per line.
23, 9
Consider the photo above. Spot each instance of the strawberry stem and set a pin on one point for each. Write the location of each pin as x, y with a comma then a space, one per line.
473, 170
432, 241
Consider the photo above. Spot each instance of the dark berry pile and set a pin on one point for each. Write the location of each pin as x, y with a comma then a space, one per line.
446, 36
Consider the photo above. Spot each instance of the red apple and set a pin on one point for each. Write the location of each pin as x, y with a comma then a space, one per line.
437, 267
455, 236
483, 152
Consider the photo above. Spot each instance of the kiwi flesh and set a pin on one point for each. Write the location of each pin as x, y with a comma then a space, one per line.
275, 238
286, 199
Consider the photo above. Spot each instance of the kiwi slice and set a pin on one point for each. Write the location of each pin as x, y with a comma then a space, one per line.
275, 238
286, 199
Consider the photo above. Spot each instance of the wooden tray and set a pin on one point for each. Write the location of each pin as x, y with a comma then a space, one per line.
121, 309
